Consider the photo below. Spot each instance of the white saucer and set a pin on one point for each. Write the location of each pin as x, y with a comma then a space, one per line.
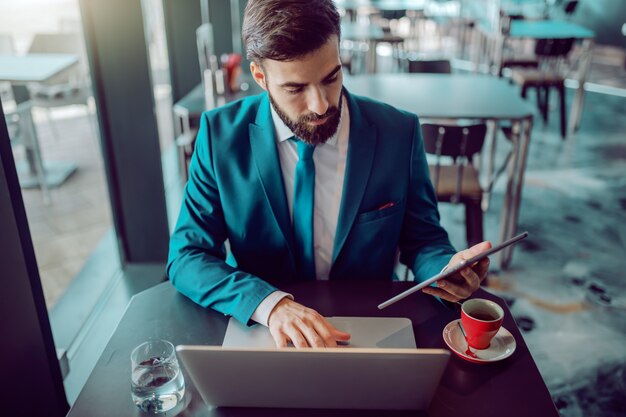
502, 345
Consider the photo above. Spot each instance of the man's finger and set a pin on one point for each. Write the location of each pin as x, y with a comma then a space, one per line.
326, 332
438, 292
339, 335
312, 336
280, 340
457, 290
297, 339
482, 268
472, 279
476, 250
329, 333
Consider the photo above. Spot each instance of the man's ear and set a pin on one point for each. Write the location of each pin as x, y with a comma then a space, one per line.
258, 75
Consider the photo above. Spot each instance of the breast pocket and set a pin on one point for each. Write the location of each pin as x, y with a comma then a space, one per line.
374, 241
379, 214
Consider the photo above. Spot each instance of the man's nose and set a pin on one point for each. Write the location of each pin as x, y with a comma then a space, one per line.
317, 101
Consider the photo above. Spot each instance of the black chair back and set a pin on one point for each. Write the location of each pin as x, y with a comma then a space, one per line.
570, 7
553, 47
458, 182
453, 141
460, 143
392, 14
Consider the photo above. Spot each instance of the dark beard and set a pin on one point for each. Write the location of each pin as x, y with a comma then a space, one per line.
313, 135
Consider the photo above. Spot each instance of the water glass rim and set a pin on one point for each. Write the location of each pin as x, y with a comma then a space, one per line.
169, 350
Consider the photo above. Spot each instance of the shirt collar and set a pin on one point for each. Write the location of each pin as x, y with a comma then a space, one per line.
283, 132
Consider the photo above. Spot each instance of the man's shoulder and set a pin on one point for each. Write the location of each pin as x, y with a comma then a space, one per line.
378, 112
239, 111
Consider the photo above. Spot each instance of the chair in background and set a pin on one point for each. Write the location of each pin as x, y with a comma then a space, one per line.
433, 66
552, 54
206, 48
388, 19
569, 8
208, 65
457, 182
72, 87
516, 53
185, 139
213, 78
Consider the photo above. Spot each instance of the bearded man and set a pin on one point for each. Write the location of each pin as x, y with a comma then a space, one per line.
305, 181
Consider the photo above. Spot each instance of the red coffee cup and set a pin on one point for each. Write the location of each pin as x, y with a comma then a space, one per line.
481, 320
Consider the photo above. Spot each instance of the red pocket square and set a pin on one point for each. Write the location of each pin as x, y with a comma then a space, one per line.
387, 205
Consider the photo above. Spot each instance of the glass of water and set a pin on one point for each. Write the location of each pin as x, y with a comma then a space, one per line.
157, 382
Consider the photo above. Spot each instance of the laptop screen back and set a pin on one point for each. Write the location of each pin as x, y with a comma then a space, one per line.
328, 378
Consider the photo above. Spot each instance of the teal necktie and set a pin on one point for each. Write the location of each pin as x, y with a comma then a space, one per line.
303, 197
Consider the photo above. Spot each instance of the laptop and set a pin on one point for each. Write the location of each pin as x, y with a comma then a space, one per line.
357, 376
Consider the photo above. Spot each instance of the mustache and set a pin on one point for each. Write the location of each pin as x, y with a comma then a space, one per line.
312, 117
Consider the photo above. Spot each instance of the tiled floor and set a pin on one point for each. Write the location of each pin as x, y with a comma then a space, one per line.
566, 286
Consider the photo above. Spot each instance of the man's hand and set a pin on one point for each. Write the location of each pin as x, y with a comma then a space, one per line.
462, 284
302, 326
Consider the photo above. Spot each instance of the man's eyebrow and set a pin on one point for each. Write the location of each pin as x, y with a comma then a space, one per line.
332, 73
300, 85
292, 84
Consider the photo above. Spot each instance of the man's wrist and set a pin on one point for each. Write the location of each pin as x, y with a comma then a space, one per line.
262, 313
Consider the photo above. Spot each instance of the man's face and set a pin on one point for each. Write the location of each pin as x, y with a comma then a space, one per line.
306, 92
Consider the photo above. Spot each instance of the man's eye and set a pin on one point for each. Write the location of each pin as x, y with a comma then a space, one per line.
294, 90
331, 80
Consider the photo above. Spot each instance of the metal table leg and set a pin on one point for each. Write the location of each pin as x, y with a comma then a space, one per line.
493, 136
585, 66
33, 152
513, 198
371, 57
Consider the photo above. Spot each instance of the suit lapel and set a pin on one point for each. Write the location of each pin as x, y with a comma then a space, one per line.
361, 150
265, 155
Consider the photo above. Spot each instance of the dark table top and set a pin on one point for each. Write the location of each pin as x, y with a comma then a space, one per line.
512, 387
444, 96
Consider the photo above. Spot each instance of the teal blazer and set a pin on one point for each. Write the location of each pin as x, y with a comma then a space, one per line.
235, 193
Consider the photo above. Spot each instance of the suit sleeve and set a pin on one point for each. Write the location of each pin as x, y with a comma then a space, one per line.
424, 244
196, 263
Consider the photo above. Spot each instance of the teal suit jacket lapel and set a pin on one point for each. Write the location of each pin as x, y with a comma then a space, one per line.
265, 154
361, 149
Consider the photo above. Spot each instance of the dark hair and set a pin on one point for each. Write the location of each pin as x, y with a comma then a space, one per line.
284, 30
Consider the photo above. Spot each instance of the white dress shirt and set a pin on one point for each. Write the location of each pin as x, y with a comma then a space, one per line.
330, 166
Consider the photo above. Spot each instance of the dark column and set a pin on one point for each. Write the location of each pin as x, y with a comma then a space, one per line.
220, 18
237, 9
182, 17
116, 47
236, 19
29, 366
